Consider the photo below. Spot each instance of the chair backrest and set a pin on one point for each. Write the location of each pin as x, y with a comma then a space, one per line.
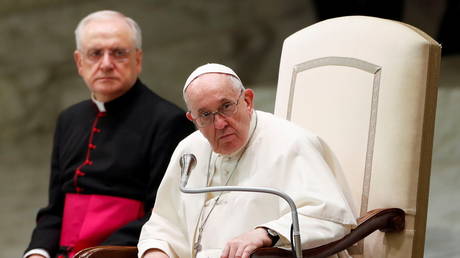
367, 86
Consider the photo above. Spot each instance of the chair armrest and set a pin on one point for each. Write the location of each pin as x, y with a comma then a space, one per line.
385, 220
108, 252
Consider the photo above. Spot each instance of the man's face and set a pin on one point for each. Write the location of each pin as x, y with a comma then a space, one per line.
211, 92
108, 60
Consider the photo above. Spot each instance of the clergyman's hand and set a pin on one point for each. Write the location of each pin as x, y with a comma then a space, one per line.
244, 245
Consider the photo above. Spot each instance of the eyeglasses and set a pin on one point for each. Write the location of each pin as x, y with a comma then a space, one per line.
118, 54
227, 109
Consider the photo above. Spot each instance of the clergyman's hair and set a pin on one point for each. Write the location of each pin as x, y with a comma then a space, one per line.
104, 14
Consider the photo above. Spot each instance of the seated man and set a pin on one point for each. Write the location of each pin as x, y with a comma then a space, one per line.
238, 146
109, 152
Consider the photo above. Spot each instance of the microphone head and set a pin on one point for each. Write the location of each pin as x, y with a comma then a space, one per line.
187, 159
187, 163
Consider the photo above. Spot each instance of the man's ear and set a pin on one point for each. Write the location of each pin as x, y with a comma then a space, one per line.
249, 98
139, 56
78, 60
189, 116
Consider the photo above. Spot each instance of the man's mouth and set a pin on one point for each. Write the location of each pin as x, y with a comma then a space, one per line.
226, 136
105, 78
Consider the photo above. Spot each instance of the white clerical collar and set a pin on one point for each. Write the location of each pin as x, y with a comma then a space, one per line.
100, 105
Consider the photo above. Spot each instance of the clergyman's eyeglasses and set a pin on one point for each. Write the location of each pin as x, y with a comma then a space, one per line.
118, 54
227, 109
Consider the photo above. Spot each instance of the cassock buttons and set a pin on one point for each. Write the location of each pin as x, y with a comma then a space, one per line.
80, 173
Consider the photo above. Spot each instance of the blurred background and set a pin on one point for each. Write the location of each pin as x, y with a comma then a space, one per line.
38, 79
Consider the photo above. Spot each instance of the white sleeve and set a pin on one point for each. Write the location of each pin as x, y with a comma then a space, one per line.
313, 232
324, 213
37, 251
165, 228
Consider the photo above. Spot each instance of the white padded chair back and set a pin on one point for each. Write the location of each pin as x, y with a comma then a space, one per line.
367, 86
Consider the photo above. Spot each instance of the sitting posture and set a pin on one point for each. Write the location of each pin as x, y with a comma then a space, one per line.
110, 153
238, 146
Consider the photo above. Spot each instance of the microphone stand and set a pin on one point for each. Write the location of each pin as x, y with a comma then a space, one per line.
187, 163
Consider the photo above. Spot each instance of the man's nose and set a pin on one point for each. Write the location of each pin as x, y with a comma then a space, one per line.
107, 61
219, 121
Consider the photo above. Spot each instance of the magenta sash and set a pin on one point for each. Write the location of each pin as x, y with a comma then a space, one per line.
89, 219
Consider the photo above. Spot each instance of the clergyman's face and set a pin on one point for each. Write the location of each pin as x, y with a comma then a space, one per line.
108, 60
209, 93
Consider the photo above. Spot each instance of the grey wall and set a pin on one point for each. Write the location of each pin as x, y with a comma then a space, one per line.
37, 73
38, 79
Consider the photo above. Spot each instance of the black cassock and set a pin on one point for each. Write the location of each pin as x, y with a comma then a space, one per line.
122, 152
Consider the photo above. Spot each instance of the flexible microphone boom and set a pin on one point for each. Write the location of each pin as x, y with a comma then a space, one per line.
188, 162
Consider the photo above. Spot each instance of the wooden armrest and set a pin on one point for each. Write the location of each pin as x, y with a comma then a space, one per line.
385, 220
108, 252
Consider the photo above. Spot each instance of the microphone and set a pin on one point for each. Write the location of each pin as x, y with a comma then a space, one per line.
188, 162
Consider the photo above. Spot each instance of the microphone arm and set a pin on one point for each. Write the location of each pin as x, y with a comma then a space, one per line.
188, 161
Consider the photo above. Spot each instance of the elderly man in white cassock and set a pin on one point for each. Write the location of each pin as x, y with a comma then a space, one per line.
238, 146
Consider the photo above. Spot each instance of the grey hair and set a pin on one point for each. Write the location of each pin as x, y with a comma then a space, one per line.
104, 14
236, 83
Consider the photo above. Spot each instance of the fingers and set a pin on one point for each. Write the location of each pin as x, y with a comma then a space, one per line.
225, 252
238, 249
231, 249
245, 252
244, 245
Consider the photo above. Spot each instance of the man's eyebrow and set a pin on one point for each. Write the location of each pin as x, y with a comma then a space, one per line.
221, 101
202, 110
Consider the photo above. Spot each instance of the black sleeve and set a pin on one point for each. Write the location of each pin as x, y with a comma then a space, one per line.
170, 132
46, 234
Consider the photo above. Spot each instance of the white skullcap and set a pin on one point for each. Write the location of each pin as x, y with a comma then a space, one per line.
209, 68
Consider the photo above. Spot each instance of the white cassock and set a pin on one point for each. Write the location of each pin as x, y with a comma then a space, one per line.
279, 155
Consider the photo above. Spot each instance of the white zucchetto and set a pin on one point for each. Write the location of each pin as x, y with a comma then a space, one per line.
209, 68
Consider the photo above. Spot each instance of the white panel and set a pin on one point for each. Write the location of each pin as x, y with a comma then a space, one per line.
324, 106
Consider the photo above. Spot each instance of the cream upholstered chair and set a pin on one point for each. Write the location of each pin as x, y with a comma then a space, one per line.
367, 87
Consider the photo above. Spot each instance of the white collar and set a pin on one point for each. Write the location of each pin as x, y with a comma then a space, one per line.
100, 105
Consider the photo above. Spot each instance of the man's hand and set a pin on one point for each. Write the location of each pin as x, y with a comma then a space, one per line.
155, 253
243, 246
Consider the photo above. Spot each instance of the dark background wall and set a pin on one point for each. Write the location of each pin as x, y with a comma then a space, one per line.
38, 79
